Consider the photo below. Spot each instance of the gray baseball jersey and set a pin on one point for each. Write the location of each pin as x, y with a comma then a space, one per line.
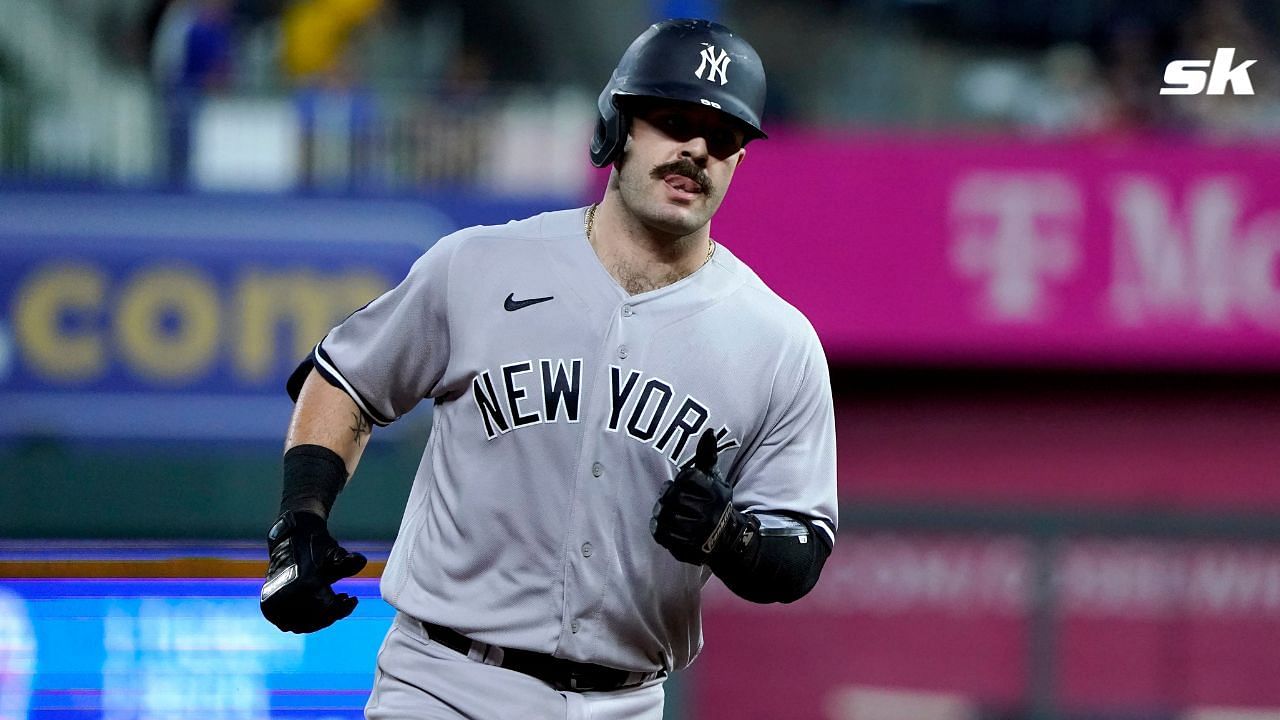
561, 406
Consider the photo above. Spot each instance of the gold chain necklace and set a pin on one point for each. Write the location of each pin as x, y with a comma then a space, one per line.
590, 222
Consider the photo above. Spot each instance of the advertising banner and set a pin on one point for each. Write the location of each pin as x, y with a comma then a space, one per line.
1109, 253
171, 648
952, 627
139, 316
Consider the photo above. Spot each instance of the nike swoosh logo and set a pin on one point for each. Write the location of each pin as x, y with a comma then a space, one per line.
512, 304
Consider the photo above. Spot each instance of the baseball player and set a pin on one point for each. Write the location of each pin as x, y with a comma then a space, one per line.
621, 409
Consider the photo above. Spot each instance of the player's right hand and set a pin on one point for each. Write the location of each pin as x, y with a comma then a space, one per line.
297, 594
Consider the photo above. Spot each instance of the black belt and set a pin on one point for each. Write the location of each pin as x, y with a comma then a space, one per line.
557, 672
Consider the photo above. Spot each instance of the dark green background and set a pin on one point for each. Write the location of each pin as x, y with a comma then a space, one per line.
225, 490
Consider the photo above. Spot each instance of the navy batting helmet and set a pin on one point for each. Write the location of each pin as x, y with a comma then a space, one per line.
694, 61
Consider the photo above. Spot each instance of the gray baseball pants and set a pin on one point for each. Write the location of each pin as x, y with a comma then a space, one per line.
417, 679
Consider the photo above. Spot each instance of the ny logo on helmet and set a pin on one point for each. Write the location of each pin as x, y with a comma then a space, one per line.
713, 64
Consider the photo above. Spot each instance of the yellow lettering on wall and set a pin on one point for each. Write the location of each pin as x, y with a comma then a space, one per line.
179, 352
46, 347
302, 302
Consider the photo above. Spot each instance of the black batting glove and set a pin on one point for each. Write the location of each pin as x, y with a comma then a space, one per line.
297, 594
694, 517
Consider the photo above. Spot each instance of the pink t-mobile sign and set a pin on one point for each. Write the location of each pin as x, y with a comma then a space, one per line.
1150, 252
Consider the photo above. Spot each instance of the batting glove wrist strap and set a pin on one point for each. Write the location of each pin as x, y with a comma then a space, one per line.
313, 477
297, 594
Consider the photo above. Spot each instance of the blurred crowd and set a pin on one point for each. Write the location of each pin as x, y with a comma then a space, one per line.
213, 45
1110, 83
395, 94
1077, 67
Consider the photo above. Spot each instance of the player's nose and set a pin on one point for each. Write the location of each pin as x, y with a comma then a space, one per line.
695, 149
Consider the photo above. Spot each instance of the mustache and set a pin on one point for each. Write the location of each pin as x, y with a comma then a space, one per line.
685, 167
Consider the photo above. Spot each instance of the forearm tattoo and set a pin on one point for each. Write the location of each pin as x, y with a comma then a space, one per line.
361, 429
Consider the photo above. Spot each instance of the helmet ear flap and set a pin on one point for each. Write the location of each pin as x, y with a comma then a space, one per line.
610, 137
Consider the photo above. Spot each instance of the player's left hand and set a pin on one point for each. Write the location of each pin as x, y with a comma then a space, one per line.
694, 514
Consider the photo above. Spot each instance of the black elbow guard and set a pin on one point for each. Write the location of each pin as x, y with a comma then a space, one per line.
776, 559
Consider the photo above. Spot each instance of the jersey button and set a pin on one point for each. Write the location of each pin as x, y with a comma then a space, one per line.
574, 626
627, 311
586, 549
597, 469
622, 352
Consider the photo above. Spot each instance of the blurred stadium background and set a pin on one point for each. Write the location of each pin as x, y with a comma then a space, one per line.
1050, 296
